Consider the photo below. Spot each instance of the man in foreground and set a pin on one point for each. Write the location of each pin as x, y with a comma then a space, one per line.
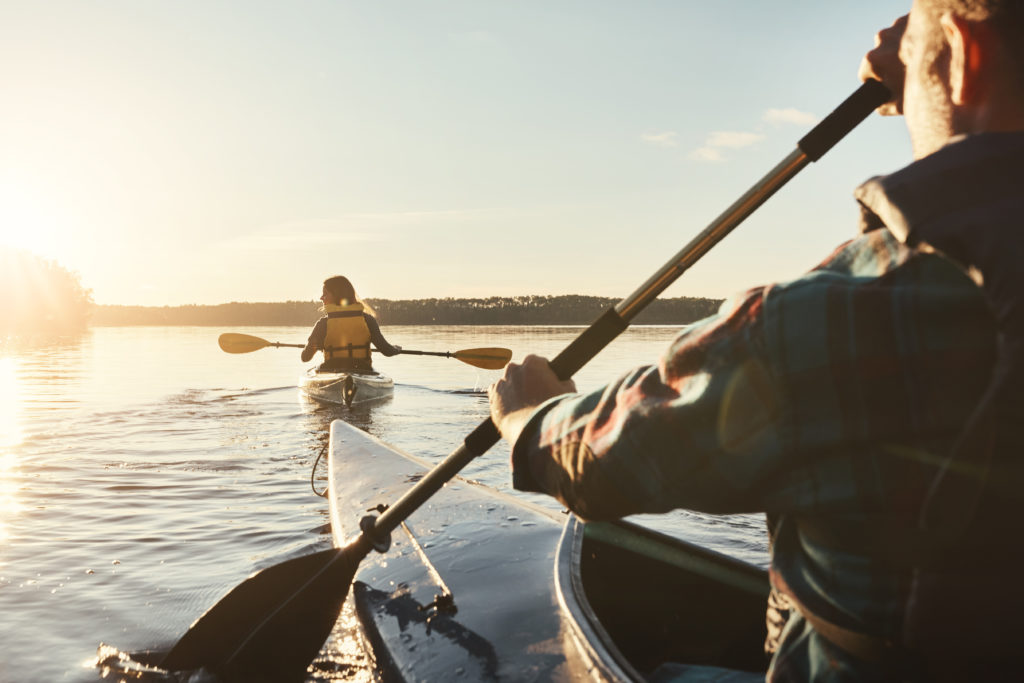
869, 407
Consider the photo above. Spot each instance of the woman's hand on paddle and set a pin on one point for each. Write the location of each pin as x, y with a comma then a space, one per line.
307, 353
520, 390
883, 64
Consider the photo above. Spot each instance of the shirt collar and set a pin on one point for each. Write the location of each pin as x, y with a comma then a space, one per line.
968, 172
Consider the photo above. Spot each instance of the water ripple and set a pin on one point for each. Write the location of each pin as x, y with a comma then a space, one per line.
153, 473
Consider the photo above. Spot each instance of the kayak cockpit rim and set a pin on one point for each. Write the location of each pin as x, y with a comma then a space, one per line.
589, 636
665, 601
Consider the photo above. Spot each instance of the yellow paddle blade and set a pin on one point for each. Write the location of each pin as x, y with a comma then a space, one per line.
232, 342
488, 359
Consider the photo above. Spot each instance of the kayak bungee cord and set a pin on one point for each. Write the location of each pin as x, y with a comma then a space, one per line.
312, 473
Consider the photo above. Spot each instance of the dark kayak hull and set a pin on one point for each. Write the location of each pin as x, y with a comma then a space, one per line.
638, 599
532, 602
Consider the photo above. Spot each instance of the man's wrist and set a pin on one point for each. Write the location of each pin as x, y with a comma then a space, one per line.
513, 423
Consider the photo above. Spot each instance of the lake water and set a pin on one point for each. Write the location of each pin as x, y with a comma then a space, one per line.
144, 473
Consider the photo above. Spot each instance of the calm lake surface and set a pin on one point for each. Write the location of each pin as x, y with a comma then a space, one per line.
144, 473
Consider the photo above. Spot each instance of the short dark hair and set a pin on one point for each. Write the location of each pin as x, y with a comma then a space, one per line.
980, 10
1005, 16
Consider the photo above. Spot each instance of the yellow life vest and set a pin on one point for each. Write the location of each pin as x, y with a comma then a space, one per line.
347, 334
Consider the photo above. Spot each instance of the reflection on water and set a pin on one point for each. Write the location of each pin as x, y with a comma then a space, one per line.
9, 506
144, 473
10, 436
10, 404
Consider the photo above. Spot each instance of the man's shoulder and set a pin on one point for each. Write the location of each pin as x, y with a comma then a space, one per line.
865, 258
879, 260
874, 272
871, 254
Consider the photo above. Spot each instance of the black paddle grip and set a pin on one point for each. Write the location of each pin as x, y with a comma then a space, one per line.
843, 119
584, 347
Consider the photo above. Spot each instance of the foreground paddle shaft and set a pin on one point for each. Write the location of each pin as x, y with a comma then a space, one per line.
811, 147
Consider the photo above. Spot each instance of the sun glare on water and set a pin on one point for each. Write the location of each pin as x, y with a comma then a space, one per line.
10, 436
10, 429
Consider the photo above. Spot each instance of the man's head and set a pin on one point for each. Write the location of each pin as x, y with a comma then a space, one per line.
964, 69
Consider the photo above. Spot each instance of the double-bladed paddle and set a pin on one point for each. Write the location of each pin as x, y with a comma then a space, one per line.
487, 358
273, 624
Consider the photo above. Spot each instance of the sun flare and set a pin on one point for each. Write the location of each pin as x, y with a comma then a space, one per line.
27, 221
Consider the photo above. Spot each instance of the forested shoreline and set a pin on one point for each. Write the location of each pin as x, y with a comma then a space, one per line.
39, 298
521, 310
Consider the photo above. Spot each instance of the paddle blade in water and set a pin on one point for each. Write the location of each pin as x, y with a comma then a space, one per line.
488, 359
233, 342
272, 625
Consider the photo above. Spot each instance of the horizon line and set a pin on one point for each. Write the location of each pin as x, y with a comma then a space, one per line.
373, 298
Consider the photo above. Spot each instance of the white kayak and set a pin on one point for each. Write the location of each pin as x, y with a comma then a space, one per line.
346, 388
483, 585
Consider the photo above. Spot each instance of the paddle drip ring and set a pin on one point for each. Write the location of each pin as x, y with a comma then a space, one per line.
380, 543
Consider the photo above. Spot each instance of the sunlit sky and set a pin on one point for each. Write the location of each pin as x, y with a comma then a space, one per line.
206, 152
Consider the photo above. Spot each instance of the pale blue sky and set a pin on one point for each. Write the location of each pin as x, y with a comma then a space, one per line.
205, 152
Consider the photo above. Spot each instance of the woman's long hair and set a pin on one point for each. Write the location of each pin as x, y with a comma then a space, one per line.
341, 289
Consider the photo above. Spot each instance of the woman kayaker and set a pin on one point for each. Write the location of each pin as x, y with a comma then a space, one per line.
346, 330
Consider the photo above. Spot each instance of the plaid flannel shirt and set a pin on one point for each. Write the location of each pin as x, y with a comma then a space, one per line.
829, 402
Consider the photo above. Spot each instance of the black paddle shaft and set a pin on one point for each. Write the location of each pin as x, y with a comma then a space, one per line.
606, 328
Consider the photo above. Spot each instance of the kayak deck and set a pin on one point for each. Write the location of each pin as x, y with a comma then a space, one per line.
597, 601
493, 554
345, 388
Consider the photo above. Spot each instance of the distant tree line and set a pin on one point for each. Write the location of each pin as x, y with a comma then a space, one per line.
569, 309
40, 298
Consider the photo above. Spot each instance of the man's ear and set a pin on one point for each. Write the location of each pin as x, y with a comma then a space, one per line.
969, 46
